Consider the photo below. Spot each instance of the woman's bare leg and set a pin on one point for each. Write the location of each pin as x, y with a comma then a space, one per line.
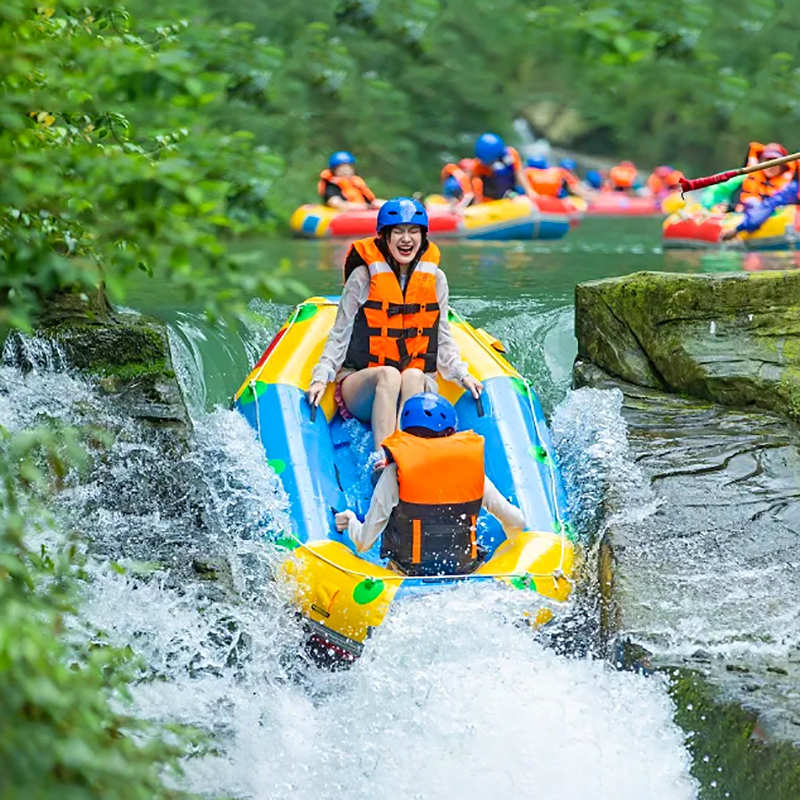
412, 382
371, 395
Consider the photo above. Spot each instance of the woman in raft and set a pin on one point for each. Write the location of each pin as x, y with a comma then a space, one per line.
391, 332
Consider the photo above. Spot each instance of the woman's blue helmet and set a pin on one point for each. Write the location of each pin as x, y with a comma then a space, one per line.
342, 157
594, 179
537, 162
489, 148
402, 211
431, 412
568, 164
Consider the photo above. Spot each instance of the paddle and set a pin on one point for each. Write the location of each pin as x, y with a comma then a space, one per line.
721, 177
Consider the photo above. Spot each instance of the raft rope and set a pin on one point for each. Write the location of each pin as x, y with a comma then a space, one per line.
556, 575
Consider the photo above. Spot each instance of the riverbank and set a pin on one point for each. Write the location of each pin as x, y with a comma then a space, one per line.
705, 575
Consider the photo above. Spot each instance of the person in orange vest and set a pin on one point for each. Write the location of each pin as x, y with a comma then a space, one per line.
542, 178
664, 180
457, 185
339, 187
623, 177
391, 332
498, 170
759, 198
759, 185
428, 499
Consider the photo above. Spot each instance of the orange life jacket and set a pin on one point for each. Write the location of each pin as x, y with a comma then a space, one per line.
432, 529
354, 189
394, 328
546, 181
623, 176
757, 186
464, 180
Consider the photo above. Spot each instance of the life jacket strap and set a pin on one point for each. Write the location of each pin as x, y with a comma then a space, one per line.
395, 333
381, 361
396, 309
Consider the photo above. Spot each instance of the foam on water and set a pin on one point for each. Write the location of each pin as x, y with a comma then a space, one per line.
451, 699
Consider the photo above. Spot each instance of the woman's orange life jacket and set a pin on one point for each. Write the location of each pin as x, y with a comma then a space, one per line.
432, 529
623, 176
354, 189
546, 181
464, 181
757, 186
395, 328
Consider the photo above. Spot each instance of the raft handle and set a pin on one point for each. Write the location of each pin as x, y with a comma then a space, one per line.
479, 405
313, 412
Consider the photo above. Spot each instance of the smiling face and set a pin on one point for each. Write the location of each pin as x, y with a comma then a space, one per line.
404, 242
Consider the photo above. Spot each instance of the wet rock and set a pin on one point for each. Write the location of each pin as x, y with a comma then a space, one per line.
703, 553
732, 338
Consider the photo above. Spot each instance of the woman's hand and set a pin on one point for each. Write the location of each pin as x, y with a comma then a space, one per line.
474, 386
343, 520
726, 236
315, 392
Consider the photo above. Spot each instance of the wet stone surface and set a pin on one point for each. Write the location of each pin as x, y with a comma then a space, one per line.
707, 556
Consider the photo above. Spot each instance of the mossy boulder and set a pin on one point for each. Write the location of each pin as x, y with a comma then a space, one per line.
732, 338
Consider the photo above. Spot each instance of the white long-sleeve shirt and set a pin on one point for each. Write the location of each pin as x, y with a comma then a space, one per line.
387, 495
354, 295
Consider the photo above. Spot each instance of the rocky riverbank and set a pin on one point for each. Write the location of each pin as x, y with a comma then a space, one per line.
115, 374
706, 571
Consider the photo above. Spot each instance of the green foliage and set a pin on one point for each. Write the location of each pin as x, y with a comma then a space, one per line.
63, 733
115, 161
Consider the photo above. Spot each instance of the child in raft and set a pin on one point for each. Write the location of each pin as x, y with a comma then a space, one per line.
391, 333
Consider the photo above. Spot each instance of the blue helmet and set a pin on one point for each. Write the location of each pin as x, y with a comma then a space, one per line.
402, 211
489, 148
568, 164
537, 162
429, 411
594, 179
342, 157
452, 188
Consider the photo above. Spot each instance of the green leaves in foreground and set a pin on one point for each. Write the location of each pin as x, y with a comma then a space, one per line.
114, 159
63, 733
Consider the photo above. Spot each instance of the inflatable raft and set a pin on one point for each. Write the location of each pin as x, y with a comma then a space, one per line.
696, 227
512, 218
321, 461
619, 204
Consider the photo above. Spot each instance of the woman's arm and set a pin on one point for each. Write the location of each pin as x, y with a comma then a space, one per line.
333, 354
757, 214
